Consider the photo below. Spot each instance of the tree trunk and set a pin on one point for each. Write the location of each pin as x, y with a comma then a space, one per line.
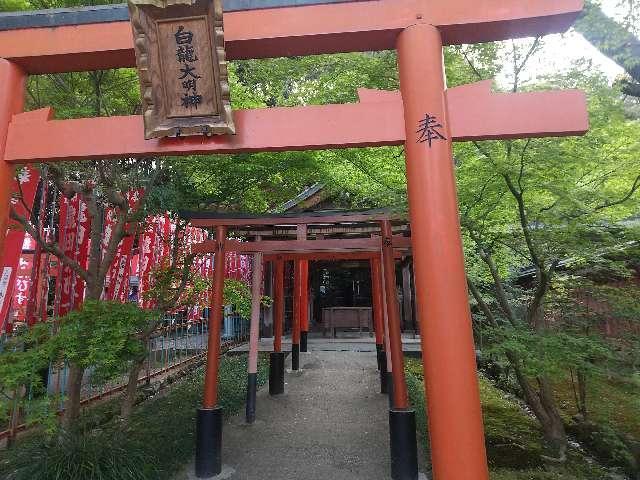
74, 390
582, 394
129, 399
553, 427
542, 404
76, 373
130, 394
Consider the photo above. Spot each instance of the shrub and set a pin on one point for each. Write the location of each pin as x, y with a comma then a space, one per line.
95, 456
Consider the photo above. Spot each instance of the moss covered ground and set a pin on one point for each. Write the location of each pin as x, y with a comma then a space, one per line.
514, 440
611, 400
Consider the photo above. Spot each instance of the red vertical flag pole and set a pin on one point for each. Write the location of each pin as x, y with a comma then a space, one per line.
455, 417
209, 418
277, 357
12, 89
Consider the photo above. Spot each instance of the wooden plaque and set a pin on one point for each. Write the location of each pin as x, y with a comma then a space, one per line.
179, 46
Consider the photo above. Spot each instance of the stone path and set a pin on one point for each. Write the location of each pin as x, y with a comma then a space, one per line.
330, 424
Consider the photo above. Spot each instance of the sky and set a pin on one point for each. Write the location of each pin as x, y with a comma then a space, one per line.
560, 51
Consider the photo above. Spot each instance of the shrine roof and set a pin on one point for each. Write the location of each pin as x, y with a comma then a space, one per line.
212, 218
319, 224
315, 235
58, 17
301, 197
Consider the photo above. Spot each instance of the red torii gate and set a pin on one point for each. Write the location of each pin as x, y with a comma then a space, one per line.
377, 244
432, 120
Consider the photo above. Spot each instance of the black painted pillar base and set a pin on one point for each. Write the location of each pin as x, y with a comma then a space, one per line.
379, 353
252, 388
383, 372
208, 442
389, 382
404, 448
303, 341
295, 357
276, 373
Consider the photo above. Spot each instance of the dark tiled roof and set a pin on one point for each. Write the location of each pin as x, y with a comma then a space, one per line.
59, 17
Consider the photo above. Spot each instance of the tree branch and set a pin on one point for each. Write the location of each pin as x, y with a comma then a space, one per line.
629, 194
50, 247
481, 303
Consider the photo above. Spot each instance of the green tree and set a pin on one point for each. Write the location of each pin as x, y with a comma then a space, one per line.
540, 205
617, 40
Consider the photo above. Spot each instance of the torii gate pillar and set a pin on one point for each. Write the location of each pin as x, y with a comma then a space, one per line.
451, 383
12, 88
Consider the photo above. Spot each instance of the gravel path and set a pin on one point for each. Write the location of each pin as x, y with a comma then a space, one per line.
330, 424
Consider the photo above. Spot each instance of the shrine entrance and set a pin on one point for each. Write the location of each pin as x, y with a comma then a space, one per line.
376, 237
424, 116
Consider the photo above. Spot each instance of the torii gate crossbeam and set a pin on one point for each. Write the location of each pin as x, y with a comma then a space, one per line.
295, 30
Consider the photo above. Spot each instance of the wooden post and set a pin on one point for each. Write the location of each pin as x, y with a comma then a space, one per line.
376, 304
12, 89
387, 371
295, 331
451, 383
278, 305
277, 357
402, 419
215, 321
209, 417
400, 398
301, 233
407, 303
254, 331
304, 304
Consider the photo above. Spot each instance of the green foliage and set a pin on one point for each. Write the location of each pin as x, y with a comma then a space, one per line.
100, 456
513, 438
618, 40
23, 355
174, 285
156, 443
23, 359
13, 5
613, 401
607, 445
540, 474
415, 389
238, 294
550, 352
102, 335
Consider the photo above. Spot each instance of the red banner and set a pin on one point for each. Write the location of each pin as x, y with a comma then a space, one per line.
117, 283
37, 304
69, 229
27, 183
149, 247
82, 252
22, 289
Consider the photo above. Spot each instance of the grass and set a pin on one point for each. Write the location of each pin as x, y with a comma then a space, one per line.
156, 443
514, 440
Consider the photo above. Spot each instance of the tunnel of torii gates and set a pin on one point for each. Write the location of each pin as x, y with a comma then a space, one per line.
424, 116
